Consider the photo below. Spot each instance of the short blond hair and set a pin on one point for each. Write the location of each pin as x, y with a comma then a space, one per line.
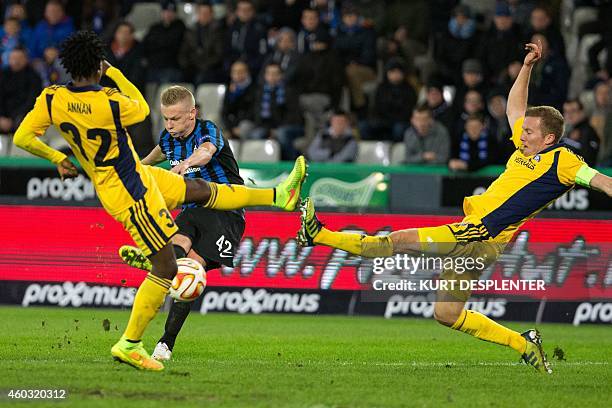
176, 94
551, 120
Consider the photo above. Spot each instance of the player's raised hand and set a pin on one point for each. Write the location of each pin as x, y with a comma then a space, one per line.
104, 66
534, 54
66, 169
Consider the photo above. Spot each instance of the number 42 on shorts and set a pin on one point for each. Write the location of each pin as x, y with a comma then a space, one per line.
224, 246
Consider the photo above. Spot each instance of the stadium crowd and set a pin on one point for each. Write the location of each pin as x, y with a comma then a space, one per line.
319, 76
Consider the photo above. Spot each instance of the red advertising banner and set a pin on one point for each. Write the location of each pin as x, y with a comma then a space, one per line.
79, 244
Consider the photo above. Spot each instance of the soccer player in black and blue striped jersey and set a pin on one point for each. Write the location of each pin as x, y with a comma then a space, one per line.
195, 148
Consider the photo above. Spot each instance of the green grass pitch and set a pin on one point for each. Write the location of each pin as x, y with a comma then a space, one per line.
226, 360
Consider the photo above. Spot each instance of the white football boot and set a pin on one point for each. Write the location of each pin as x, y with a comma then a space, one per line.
162, 352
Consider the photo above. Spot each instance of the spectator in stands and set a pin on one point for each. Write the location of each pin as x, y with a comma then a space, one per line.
18, 11
50, 69
594, 26
356, 46
600, 26
275, 105
126, 53
372, 12
475, 149
579, 133
508, 76
394, 101
472, 79
400, 45
456, 45
501, 45
52, 30
498, 125
439, 13
19, 87
237, 111
11, 38
521, 9
285, 54
441, 110
416, 16
329, 13
100, 16
161, 46
410, 47
602, 70
286, 13
473, 103
335, 144
549, 79
541, 22
202, 50
310, 27
426, 141
601, 121
318, 80
246, 39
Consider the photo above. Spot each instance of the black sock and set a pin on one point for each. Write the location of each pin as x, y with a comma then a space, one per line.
176, 317
179, 252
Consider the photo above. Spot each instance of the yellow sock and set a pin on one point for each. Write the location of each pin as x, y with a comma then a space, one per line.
356, 244
235, 197
480, 326
150, 296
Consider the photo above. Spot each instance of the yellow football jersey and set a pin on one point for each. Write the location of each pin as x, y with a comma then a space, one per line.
92, 119
527, 186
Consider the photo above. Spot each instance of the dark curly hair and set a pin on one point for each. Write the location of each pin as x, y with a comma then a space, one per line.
81, 54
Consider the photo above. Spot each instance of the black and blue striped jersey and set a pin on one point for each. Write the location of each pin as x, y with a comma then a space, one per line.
222, 168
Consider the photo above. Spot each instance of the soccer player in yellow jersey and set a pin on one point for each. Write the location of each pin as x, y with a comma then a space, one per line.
540, 170
93, 120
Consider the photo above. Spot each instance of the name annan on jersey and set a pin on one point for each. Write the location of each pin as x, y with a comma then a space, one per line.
77, 107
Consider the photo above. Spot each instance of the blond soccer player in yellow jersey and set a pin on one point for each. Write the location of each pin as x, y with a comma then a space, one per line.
93, 120
539, 171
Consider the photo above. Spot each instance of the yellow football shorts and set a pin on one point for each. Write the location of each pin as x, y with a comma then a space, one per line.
149, 221
466, 239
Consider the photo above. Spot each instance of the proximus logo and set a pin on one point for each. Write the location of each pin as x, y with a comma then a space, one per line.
77, 295
78, 188
260, 301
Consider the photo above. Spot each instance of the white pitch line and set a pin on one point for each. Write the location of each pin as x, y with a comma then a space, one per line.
413, 363
273, 361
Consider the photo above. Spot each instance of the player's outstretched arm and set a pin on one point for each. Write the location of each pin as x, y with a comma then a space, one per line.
517, 98
156, 156
33, 125
603, 183
200, 157
126, 87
